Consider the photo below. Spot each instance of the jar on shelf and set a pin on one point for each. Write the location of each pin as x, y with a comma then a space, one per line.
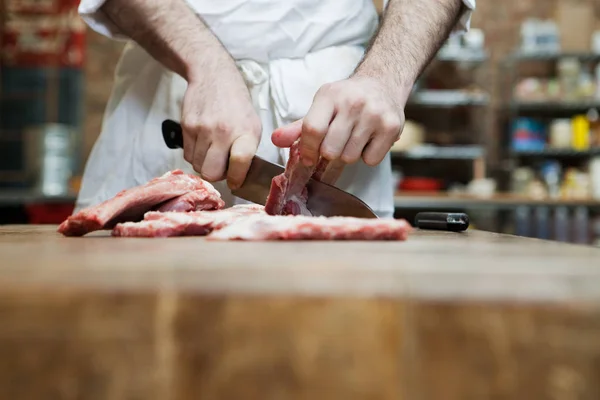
569, 70
561, 134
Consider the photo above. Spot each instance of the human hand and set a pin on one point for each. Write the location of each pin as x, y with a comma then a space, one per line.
221, 129
349, 119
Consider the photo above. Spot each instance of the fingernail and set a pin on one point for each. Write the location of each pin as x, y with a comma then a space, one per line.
307, 162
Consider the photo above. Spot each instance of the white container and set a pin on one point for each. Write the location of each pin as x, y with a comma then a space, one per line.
474, 39
50, 151
595, 177
596, 42
560, 134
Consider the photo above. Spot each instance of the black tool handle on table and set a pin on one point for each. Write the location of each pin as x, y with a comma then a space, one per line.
173, 134
441, 221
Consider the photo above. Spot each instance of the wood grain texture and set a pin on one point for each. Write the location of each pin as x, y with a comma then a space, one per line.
505, 351
125, 319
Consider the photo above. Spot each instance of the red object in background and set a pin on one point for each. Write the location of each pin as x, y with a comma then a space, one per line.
48, 213
43, 34
416, 184
40, 6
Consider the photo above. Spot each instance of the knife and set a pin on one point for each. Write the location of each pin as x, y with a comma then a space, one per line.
323, 199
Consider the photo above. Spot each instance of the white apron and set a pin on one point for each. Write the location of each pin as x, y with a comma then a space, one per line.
285, 50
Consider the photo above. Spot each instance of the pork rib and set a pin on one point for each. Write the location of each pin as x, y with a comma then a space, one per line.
131, 204
195, 223
261, 227
288, 194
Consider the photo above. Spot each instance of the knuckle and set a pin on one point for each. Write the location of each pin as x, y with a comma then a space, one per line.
349, 157
220, 127
391, 123
312, 131
241, 156
325, 88
355, 103
372, 159
190, 124
329, 153
372, 111
211, 175
197, 168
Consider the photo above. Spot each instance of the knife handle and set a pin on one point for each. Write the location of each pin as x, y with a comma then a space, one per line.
172, 134
441, 221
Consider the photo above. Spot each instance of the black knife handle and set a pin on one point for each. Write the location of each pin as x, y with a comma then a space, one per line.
172, 134
441, 221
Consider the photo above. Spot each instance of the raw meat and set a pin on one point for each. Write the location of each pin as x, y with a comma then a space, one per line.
266, 227
131, 204
195, 223
198, 200
288, 194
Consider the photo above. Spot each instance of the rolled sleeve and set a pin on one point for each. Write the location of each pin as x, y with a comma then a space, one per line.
90, 11
464, 23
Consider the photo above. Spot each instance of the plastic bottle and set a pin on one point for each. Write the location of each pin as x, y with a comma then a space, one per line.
561, 224
581, 133
522, 221
542, 223
597, 76
581, 225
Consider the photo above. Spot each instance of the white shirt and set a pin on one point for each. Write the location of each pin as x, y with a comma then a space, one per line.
269, 29
284, 49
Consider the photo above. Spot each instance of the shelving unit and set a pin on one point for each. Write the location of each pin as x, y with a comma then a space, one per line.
445, 201
556, 153
442, 102
448, 98
526, 212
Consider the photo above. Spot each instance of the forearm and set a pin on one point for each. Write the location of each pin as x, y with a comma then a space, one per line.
172, 34
411, 33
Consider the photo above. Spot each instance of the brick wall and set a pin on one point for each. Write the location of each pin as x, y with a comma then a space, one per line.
500, 20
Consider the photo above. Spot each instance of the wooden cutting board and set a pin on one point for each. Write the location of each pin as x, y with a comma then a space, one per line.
441, 316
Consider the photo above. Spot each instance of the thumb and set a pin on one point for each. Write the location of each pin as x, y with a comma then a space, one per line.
286, 135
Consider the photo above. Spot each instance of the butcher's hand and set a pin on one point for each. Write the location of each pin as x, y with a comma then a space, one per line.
355, 118
221, 129
364, 115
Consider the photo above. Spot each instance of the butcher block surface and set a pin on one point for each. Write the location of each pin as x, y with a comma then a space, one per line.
441, 316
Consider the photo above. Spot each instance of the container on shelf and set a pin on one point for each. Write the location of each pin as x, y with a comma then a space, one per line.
593, 117
581, 225
561, 224
569, 70
523, 221
49, 155
581, 133
595, 177
542, 222
474, 39
596, 42
420, 184
521, 178
551, 171
561, 134
528, 135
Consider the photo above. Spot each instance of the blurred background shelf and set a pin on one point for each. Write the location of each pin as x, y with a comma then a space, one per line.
520, 55
463, 55
441, 153
448, 98
556, 153
551, 106
17, 197
442, 201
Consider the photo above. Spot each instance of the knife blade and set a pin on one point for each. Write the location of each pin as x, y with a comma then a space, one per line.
323, 199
